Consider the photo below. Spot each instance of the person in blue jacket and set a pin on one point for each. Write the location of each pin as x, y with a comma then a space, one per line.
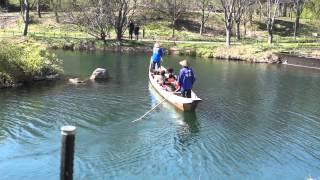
156, 56
186, 79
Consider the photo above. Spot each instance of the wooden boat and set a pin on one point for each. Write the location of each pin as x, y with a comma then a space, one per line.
182, 103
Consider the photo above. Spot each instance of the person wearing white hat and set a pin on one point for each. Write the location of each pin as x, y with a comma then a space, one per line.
186, 78
156, 56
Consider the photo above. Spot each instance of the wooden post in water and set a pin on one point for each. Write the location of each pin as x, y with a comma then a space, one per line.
67, 152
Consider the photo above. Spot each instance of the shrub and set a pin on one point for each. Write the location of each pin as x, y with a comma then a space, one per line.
21, 61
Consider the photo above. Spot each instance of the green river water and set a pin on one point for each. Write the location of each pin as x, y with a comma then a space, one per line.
256, 121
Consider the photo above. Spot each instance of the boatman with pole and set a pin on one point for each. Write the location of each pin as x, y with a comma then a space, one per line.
156, 57
186, 79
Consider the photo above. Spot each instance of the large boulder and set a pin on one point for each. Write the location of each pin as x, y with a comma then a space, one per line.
99, 73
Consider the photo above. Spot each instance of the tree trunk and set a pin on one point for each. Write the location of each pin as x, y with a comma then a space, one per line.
296, 26
279, 13
119, 33
250, 18
26, 9
202, 22
296, 23
56, 11
173, 27
260, 12
201, 28
284, 10
21, 6
38, 8
244, 29
269, 29
228, 36
238, 30
270, 37
291, 13
118, 24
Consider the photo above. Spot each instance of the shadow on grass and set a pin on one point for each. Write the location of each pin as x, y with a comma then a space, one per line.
285, 28
194, 27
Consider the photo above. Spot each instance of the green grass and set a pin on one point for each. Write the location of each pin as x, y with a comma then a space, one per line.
66, 36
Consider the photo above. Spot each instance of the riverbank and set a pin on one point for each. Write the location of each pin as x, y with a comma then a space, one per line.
249, 51
252, 48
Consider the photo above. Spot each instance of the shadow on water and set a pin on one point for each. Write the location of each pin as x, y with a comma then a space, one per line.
188, 128
186, 122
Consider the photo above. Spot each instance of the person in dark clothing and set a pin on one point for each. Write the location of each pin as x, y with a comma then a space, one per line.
136, 31
186, 79
131, 28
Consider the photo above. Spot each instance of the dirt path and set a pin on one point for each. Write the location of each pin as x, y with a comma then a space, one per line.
8, 20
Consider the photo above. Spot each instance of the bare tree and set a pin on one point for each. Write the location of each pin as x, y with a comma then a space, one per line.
98, 17
38, 8
247, 17
172, 9
270, 12
124, 11
93, 18
228, 9
298, 6
205, 8
240, 8
25, 7
55, 4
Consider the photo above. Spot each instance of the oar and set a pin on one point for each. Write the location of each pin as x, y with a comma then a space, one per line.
150, 110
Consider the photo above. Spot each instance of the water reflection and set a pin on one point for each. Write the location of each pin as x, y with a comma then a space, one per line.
187, 125
187, 128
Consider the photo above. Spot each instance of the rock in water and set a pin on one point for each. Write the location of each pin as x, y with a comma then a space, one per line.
99, 73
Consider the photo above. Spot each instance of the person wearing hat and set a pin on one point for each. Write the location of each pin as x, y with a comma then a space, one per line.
156, 56
186, 79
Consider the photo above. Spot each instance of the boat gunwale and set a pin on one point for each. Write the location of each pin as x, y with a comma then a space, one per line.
173, 98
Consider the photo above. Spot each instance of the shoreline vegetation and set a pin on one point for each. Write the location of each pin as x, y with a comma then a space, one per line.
24, 62
252, 47
247, 50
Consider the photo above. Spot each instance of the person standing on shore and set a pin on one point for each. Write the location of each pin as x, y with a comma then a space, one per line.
136, 31
156, 57
186, 79
131, 28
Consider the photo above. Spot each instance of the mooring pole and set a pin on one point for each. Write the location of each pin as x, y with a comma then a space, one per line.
67, 152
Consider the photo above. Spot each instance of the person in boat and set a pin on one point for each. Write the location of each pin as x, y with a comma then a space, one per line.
171, 74
171, 84
186, 79
156, 57
162, 77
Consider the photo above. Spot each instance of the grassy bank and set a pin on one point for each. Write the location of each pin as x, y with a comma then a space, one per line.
252, 48
251, 51
23, 61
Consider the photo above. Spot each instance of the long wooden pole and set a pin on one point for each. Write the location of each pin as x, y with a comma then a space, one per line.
150, 111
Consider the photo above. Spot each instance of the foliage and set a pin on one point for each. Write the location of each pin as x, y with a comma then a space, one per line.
21, 61
5, 80
312, 9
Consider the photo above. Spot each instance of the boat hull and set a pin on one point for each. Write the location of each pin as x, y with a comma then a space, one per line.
181, 103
